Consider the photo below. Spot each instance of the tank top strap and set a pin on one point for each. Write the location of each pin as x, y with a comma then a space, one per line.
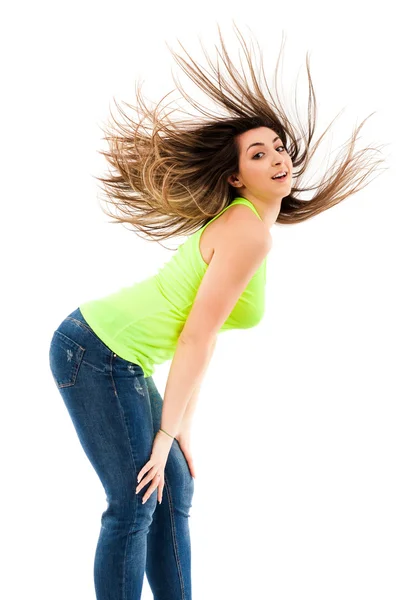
237, 200
241, 200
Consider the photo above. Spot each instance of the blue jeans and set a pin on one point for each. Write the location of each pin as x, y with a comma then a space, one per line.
116, 412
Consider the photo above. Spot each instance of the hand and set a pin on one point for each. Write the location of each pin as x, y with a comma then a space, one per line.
154, 468
184, 440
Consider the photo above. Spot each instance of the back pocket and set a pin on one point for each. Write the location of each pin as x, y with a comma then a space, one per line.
65, 359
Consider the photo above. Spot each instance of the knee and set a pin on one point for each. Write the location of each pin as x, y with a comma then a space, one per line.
127, 511
180, 495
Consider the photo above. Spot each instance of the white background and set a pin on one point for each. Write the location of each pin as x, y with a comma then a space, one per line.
300, 435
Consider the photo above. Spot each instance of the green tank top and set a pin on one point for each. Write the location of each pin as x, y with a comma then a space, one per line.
142, 323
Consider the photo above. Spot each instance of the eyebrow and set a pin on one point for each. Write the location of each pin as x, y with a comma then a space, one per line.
262, 144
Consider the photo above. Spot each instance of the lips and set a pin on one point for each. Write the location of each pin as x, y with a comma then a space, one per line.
282, 178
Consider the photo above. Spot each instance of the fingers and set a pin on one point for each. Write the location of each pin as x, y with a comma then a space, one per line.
144, 470
155, 482
151, 489
146, 480
191, 468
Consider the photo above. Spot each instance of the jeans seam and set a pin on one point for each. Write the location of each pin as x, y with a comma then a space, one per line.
121, 413
175, 542
134, 466
124, 582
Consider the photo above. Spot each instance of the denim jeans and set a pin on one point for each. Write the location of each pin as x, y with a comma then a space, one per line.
116, 412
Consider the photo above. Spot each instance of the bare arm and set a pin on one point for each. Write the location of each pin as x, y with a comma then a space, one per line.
235, 260
192, 404
186, 373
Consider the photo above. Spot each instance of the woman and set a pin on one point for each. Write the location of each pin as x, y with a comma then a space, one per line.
218, 178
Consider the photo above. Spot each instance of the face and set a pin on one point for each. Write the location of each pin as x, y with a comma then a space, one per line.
262, 155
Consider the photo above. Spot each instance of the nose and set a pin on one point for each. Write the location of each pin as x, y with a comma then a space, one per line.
278, 158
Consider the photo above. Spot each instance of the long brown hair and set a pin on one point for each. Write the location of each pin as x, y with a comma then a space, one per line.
171, 175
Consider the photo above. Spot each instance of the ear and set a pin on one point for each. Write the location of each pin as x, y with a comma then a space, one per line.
234, 180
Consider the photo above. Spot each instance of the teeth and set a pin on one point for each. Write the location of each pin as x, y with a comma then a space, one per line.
278, 174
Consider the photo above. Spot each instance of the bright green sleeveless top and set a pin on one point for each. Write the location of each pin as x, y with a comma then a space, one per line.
142, 323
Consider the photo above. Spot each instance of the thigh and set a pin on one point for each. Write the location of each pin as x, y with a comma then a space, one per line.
108, 407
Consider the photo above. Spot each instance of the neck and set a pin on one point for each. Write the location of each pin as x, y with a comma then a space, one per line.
268, 211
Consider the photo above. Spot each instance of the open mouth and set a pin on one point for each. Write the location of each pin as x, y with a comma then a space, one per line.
281, 178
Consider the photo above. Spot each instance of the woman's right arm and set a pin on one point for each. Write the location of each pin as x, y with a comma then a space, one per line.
236, 258
186, 372
192, 403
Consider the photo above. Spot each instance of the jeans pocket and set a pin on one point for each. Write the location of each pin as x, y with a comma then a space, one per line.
65, 359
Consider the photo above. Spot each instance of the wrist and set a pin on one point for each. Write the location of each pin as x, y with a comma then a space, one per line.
164, 440
165, 433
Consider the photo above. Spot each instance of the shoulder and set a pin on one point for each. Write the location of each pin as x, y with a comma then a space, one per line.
240, 248
241, 221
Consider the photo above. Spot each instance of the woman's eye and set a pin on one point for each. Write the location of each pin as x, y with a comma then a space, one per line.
255, 155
